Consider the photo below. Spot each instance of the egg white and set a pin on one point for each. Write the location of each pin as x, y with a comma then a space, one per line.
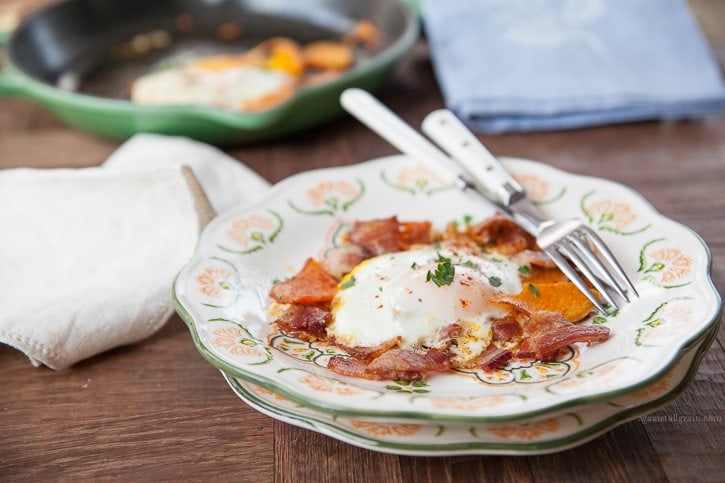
388, 296
228, 88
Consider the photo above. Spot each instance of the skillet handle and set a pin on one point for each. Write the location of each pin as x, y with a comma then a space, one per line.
10, 83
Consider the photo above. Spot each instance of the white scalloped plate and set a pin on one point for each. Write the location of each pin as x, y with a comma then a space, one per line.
542, 434
222, 293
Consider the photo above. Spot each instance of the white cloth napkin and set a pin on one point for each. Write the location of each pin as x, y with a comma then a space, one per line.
87, 256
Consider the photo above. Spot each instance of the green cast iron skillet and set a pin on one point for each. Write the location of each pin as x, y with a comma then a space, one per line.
62, 57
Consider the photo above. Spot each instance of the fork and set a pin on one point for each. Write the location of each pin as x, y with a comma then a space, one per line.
574, 247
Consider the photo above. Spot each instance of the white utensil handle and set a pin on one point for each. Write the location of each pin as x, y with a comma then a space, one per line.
483, 169
375, 115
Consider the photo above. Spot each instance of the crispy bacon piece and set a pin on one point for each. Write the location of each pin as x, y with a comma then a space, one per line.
348, 366
547, 332
395, 364
505, 329
340, 261
305, 321
415, 233
311, 286
377, 236
493, 358
406, 365
370, 353
507, 236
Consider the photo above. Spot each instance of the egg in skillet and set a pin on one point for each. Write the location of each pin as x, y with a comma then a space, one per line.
221, 84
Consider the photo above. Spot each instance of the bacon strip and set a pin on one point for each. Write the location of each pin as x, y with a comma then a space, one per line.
493, 358
415, 233
377, 236
311, 286
547, 332
395, 364
340, 261
305, 321
507, 236
370, 353
347, 366
505, 329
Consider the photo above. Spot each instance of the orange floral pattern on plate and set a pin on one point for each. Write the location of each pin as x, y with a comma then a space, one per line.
321, 193
231, 339
653, 389
535, 187
673, 321
420, 176
605, 373
321, 384
619, 215
527, 431
675, 263
240, 229
268, 393
462, 404
382, 430
213, 281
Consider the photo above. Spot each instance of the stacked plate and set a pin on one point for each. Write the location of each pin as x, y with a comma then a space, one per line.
534, 407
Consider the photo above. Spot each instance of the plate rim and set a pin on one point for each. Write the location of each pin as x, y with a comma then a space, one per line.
342, 410
560, 444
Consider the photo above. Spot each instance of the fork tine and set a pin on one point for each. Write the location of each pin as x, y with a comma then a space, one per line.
596, 264
574, 277
584, 267
609, 257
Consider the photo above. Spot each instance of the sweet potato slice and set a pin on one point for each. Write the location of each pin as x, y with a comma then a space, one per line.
366, 34
561, 297
327, 55
539, 275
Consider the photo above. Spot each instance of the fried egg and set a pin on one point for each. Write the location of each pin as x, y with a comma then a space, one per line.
393, 295
231, 86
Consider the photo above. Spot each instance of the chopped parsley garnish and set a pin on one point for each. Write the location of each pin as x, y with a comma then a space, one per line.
348, 283
414, 265
494, 281
380, 289
420, 300
534, 290
436, 244
444, 272
524, 269
467, 219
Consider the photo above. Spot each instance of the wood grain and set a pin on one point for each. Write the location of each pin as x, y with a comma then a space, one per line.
157, 410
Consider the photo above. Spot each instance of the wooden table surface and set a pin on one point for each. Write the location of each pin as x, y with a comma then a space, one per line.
157, 410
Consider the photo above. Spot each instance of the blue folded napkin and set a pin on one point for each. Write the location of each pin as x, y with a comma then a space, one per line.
515, 65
